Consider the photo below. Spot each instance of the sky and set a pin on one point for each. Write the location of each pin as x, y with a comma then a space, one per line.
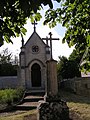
59, 49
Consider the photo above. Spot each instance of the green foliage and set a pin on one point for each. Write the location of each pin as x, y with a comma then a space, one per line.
76, 56
75, 16
10, 96
67, 68
60, 67
14, 14
5, 56
6, 67
85, 61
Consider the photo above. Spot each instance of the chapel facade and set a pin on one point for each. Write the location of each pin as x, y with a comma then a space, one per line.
33, 57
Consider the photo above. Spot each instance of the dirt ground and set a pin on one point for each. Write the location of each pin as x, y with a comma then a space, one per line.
73, 115
30, 117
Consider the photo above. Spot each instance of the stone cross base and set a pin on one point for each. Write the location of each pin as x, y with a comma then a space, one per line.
53, 111
52, 108
52, 84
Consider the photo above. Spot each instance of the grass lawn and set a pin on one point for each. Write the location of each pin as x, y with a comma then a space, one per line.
80, 105
29, 115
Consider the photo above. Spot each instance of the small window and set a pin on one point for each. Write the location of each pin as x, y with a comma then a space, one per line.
35, 49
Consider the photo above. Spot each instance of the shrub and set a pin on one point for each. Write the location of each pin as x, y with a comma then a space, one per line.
10, 96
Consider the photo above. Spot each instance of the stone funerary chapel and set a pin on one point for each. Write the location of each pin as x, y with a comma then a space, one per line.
33, 56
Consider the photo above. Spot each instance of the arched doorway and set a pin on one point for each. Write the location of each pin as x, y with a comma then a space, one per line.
36, 75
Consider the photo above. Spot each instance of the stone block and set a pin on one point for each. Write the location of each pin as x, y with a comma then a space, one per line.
53, 111
52, 84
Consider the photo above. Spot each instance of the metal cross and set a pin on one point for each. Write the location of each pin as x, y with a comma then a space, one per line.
50, 42
34, 26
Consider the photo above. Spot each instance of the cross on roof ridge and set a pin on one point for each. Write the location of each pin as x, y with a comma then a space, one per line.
34, 23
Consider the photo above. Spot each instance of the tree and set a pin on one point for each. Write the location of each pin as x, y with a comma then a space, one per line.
6, 67
61, 67
14, 13
5, 56
75, 16
76, 56
67, 68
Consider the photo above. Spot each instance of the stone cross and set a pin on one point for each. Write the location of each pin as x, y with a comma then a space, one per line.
50, 41
34, 26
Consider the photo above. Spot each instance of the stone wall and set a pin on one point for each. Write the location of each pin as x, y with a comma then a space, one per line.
78, 85
9, 82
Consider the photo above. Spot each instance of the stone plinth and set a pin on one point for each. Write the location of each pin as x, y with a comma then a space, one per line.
52, 84
54, 110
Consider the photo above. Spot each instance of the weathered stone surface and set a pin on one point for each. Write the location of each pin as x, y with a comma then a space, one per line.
52, 84
28, 58
77, 85
53, 108
53, 111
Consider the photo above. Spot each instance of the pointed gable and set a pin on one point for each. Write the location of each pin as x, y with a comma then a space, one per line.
34, 38
35, 48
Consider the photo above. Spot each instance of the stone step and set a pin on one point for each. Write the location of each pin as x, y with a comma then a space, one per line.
27, 106
35, 92
33, 98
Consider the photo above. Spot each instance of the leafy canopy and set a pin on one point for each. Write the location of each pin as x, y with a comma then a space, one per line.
6, 66
75, 16
67, 68
5, 56
14, 13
